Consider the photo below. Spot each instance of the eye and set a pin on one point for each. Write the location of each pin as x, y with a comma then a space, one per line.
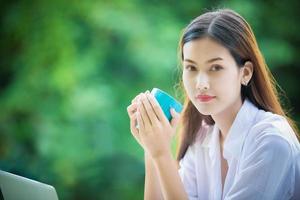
216, 68
190, 68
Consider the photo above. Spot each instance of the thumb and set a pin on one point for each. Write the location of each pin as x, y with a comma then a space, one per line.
175, 117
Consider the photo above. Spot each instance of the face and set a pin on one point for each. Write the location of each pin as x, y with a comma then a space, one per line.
211, 77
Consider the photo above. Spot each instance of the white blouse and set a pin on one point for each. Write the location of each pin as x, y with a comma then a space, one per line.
263, 156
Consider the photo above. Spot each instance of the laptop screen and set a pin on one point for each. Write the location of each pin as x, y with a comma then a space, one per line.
1, 195
15, 187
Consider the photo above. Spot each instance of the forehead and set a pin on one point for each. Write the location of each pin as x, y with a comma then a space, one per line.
204, 49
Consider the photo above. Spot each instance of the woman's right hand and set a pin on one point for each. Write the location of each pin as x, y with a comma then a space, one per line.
131, 110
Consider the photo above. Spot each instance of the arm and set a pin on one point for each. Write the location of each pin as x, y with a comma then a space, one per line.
265, 172
171, 185
152, 189
154, 135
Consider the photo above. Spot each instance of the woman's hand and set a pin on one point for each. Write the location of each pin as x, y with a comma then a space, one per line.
155, 131
131, 110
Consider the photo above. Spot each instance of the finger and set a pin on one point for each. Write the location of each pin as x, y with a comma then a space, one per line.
150, 112
132, 117
175, 117
157, 109
134, 120
131, 109
135, 100
140, 96
134, 130
140, 122
143, 113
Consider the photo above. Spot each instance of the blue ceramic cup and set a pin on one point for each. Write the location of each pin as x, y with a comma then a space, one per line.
166, 102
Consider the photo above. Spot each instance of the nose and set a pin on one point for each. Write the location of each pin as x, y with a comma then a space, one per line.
202, 82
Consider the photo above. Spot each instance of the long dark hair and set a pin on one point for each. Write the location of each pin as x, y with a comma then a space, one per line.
233, 32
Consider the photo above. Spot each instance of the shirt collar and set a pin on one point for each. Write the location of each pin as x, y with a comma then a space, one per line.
239, 130
236, 135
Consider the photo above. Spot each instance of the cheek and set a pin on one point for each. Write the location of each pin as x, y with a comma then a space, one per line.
227, 85
187, 83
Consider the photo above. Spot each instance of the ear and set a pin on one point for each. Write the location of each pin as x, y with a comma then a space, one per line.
247, 72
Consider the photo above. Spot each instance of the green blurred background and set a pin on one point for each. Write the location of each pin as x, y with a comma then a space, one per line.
69, 69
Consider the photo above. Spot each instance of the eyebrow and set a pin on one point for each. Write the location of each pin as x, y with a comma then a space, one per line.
208, 61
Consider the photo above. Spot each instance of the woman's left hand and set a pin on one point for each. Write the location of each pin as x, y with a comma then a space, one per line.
155, 131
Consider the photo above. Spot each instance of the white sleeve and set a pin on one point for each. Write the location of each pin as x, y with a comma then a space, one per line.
188, 175
265, 172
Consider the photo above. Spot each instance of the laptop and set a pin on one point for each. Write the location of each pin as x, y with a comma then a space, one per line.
15, 187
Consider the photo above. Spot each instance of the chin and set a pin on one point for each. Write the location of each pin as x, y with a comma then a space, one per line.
204, 110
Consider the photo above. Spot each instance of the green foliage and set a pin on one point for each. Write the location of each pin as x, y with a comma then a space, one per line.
70, 69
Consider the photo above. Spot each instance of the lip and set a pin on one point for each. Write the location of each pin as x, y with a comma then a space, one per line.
205, 98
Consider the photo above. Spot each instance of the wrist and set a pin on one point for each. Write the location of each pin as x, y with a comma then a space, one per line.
166, 155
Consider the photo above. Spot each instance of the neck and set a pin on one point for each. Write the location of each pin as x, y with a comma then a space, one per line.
225, 119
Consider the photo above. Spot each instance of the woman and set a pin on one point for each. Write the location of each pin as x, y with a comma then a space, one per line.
236, 140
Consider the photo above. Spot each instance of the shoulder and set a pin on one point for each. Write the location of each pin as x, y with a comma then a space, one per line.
270, 132
268, 147
267, 120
